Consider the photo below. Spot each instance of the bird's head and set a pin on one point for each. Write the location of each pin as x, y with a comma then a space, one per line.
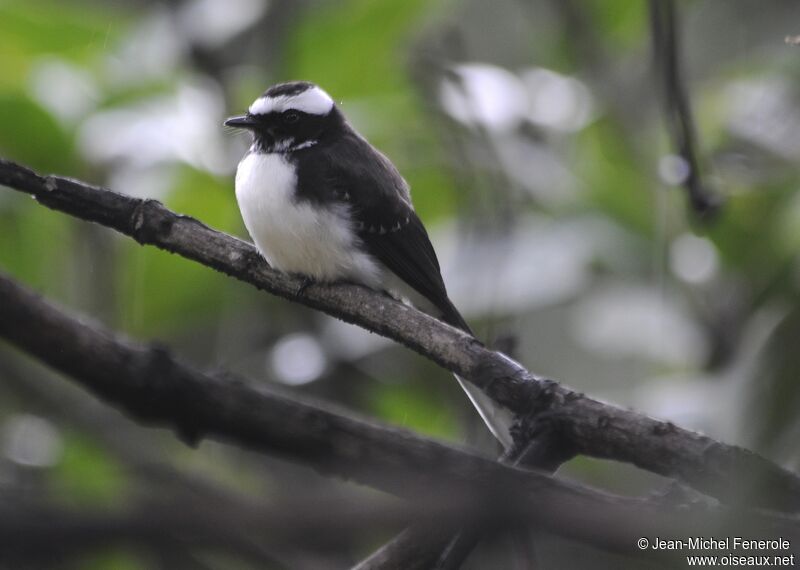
289, 116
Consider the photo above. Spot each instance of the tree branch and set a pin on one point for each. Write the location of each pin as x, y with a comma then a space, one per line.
677, 109
589, 427
49, 533
155, 388
416, 548
546, 452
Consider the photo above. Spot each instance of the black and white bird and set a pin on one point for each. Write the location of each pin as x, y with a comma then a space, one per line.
321, 202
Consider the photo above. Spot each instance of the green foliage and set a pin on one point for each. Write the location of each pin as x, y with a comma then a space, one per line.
30, 135
624, 24
31, 244
166, 294
410, 405
754, 214
114, 559
203, 195
355, 49
360, 51
617, 185
87, 475
29, 30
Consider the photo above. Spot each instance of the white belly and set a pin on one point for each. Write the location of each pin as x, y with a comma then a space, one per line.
295, 236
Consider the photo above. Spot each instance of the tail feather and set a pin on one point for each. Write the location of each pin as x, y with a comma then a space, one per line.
497, 418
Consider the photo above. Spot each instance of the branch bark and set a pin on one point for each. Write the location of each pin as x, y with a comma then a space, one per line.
588, 426
155, 388
419, 546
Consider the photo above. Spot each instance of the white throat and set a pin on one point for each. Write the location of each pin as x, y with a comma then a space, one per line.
294, 235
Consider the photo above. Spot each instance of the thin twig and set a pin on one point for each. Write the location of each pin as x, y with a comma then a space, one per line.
677, 108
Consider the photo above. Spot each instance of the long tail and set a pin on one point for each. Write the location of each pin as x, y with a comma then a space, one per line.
497, 418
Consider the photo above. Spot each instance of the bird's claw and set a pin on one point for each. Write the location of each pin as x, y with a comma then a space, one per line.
304, 284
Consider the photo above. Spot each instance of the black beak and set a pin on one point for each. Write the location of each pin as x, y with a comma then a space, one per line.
242, 122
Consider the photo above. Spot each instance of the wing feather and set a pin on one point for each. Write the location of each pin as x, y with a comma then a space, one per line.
386, 221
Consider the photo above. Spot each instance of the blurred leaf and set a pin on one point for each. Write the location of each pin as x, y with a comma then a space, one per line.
775, 391
353, 47
33, 241
413, 407
432, 192
354, 50
87, 475
623, 24
748, 235
167, 294
30, 135
209, 198
114, 559
73, 30
616, 184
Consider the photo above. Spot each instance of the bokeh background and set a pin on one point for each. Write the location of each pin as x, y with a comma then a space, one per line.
532, 134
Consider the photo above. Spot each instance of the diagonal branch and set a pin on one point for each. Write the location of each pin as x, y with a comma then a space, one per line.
419, 546
587, 426
155, 388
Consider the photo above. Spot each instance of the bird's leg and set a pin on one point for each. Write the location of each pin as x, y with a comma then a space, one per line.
304, 284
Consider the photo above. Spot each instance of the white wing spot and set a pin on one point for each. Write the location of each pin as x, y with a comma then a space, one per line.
303, 145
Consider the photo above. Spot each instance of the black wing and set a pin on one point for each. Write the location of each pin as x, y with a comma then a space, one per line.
386, 221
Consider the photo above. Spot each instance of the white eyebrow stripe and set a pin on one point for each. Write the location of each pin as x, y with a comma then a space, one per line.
313, 101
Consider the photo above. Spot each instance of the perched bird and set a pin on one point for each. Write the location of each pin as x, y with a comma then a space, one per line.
321, 202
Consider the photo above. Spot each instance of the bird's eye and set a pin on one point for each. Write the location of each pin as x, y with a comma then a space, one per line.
291, 117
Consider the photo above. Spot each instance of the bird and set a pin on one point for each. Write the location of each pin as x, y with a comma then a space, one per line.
322, 203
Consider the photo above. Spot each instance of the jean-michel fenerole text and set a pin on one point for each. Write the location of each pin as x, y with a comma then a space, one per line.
726, 543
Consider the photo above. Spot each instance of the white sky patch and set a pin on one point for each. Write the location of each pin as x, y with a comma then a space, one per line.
484, 95
153, 50
182, 127
764, 111
673, 169
626, 321
155, 181
539, 264
498, 99
693, 259
31, 440
557, 101
313, 101
66, 90
211, 23
687, 400
298, 359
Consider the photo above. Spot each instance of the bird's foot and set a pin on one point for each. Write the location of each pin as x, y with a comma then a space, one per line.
304, 284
